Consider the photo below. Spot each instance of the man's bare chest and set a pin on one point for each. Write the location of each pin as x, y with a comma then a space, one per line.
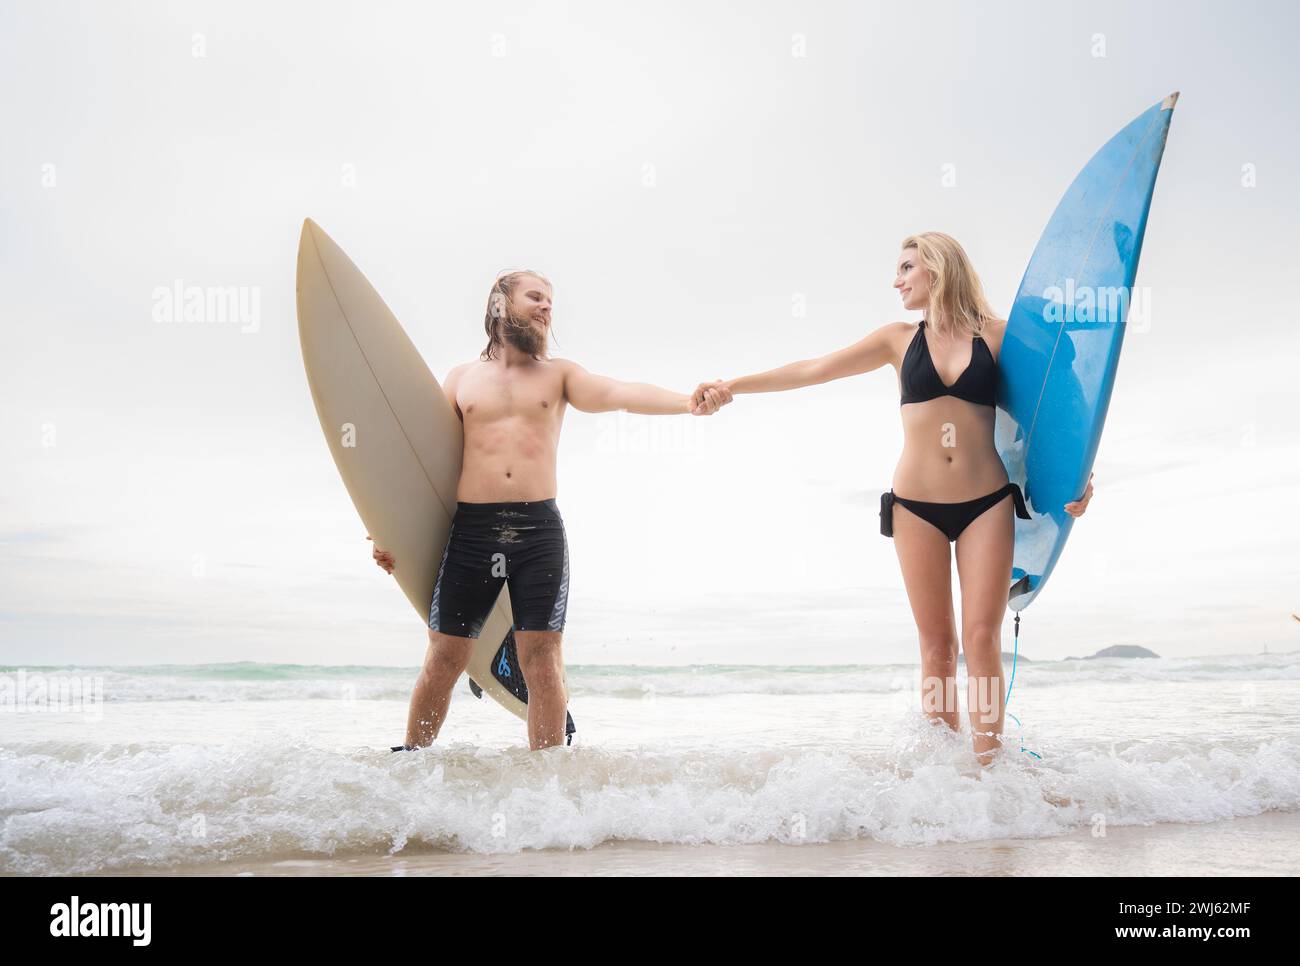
489, 397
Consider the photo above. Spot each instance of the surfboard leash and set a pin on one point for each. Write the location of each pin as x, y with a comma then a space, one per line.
1015, 654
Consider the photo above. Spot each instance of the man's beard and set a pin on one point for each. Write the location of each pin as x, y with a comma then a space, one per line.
524, 337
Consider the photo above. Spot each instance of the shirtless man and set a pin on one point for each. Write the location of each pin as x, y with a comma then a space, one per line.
512, 402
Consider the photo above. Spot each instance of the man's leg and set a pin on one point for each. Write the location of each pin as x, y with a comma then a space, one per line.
543, 668
463, 594
538, 581
444, 663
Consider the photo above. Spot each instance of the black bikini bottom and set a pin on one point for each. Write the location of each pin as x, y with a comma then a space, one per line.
949, 518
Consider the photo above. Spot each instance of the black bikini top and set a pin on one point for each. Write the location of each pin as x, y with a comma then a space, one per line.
921, 382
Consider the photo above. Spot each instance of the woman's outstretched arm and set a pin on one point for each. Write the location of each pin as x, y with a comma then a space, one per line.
871, 352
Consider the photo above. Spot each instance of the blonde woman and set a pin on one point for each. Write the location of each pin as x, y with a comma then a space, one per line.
950, 486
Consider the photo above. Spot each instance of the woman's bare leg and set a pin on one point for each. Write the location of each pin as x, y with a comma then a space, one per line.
984, 552
925, 558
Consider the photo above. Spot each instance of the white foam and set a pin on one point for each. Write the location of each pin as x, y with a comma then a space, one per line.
74, 807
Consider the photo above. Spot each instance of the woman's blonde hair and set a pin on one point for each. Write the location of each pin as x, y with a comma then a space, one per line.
498, 314
957, 302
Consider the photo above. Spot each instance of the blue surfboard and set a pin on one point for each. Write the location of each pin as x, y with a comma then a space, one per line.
1064, 334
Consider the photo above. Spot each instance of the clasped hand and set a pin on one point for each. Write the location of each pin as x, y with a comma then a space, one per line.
709, 397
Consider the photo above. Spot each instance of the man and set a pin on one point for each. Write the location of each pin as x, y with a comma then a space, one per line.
512, 402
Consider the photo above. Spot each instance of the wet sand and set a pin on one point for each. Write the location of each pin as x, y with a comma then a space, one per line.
1262, 845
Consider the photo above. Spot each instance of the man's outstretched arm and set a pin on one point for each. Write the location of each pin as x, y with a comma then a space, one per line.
600, 394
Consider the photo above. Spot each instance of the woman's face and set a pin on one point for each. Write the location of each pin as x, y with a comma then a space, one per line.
912, 280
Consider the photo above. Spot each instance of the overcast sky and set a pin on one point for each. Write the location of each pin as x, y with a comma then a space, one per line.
714, 188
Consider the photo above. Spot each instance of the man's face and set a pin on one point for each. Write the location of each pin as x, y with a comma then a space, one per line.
531, 302
529, 315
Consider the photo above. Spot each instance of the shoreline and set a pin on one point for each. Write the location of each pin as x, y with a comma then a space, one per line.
1257, 845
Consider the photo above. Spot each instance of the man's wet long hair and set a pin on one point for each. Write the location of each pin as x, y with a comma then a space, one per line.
497, 315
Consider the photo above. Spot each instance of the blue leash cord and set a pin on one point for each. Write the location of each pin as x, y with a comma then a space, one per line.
1010, 684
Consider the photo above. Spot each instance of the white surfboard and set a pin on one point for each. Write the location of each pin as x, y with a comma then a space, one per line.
395, 439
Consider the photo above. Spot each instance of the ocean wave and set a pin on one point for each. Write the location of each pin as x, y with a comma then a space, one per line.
70, 807
288, 682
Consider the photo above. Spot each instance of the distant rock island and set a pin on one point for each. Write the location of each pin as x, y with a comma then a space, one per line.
1118, 650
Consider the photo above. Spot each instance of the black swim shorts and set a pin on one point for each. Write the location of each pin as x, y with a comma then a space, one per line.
520, 544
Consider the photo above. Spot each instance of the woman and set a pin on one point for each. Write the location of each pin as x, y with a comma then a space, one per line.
950, 485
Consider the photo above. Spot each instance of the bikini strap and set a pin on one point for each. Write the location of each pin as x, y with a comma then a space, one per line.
1018, 499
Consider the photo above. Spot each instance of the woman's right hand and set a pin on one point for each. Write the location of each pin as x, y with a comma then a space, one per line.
383, 558
709, 397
